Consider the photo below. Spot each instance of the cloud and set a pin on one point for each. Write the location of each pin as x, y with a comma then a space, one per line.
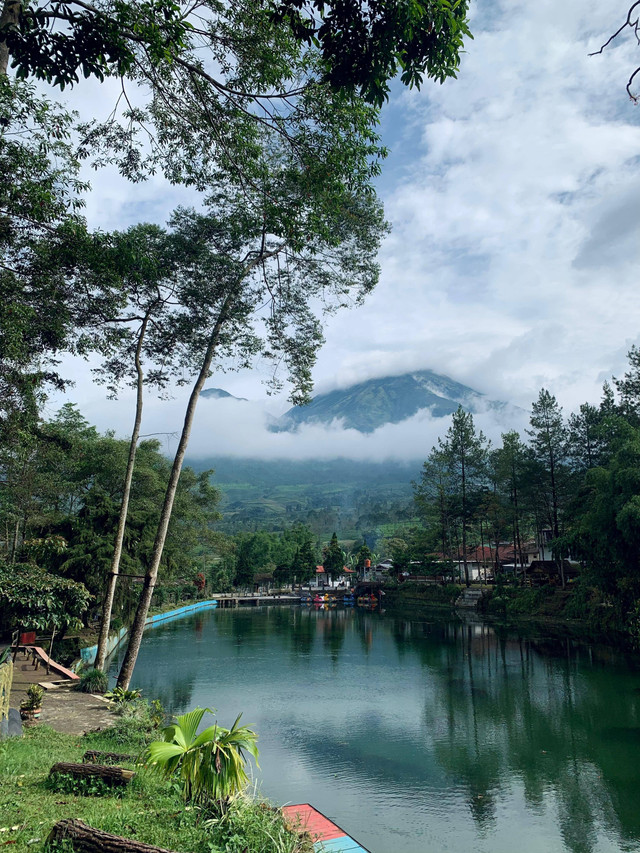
513, 194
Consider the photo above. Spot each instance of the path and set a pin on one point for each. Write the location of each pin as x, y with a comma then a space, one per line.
64, 709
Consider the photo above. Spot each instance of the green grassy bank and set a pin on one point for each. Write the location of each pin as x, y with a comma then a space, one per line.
149, 809
579, 609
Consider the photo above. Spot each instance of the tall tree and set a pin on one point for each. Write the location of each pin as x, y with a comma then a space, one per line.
548, 436
433, 499
628, 388
510, 466
146, 269
333, 556
465, 452
585, 439
44, 251
362, 45
264, 261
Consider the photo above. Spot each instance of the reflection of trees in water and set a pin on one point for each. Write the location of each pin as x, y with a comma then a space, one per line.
304, 633
500, 711
334, 632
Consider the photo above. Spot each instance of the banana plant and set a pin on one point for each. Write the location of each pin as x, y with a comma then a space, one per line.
209, 765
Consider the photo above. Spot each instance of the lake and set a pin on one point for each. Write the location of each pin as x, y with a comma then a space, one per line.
422, 733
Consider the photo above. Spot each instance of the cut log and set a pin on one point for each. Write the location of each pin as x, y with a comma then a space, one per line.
93, 756
115, 776
86, 839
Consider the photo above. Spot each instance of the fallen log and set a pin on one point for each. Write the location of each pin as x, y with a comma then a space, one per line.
113, 776
86, 839
93, 756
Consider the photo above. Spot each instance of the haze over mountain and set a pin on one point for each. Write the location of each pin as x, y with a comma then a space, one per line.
221, 394
388, 400
349, 449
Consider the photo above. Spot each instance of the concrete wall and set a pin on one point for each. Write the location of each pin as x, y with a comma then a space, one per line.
88, 655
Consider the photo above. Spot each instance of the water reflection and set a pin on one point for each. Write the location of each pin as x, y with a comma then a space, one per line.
432, 730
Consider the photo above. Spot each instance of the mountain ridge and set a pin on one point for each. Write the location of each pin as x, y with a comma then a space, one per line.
368, 405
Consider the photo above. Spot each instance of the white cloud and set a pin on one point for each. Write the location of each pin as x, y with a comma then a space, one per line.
513, 197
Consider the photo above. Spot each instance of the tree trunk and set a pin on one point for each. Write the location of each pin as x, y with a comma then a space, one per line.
86, 839
126, 671
114, 776
9, 17
112, 577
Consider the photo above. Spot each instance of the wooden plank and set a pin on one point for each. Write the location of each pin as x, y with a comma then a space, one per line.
52, 664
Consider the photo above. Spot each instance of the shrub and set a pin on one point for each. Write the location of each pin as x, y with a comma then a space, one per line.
35, 694
87, 787
93, 681
248, 824
209, 765
129, 731
119, 694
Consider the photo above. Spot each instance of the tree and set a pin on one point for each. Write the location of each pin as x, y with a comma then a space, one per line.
632, 22
604, 527
307, 563
362, 45
40, 600
465, 453
510, 463
628, 388
585, 439
363, 554
333, 557
43, 246
433, 498
147, 273
549, 451
263, 263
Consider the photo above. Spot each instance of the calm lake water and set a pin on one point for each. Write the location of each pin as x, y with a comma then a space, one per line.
421, 734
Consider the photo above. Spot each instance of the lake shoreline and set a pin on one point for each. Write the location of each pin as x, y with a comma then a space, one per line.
546, 614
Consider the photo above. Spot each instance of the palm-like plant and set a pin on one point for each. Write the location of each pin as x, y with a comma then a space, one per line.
210, 765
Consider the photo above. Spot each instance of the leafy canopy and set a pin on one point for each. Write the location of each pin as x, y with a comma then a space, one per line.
38, 599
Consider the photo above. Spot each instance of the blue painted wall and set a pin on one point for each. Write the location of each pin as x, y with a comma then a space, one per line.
88, 655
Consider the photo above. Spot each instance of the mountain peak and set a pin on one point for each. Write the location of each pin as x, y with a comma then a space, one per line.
369, 405
220, 394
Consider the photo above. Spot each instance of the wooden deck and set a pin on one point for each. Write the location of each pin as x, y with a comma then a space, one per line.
327, 836
39, 656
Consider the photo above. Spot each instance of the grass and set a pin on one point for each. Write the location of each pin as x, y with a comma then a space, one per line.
149, 809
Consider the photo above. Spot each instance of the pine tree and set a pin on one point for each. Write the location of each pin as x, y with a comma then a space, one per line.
465, 453
548, 435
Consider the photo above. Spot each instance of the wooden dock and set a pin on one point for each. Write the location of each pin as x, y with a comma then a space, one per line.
231, 599
327, 836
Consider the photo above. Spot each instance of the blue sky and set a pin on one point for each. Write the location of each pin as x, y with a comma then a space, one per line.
513, 193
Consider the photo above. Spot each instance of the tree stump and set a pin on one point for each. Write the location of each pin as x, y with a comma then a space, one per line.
93, 756
113, 776
86, 839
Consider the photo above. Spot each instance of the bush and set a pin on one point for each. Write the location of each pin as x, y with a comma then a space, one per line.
248, 824
89, 787
34, 698
115, 624
126, 731
159, 596
93, 681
